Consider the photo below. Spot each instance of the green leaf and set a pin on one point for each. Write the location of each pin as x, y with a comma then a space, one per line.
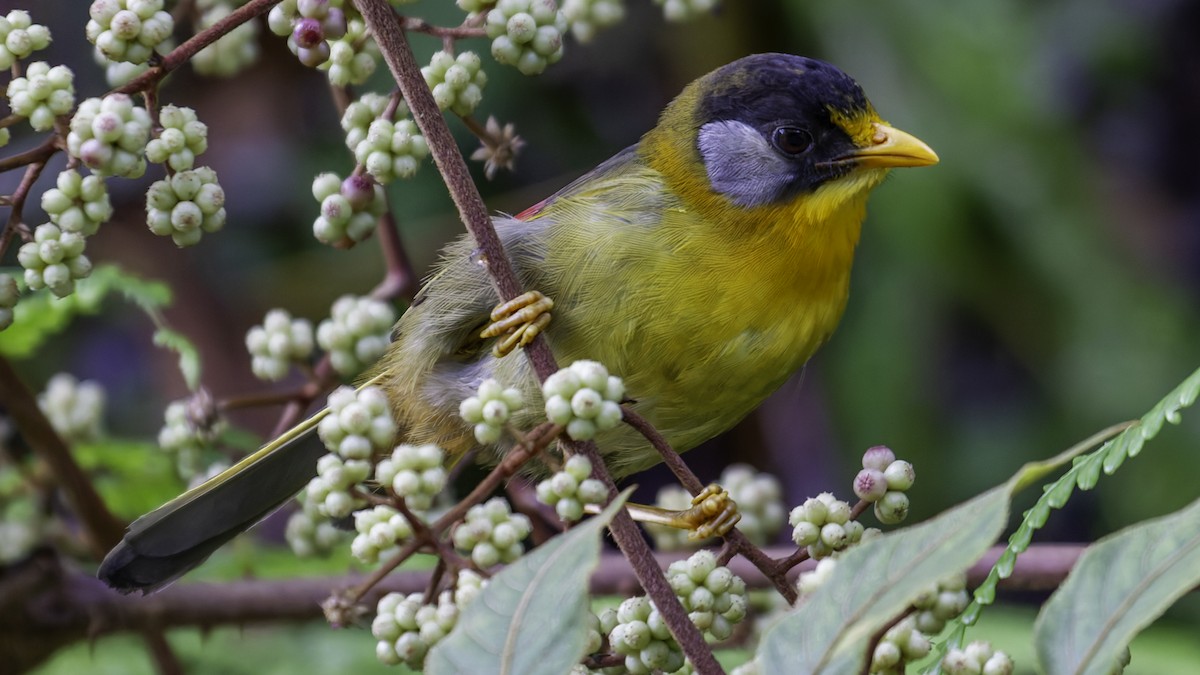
40, 315
874, 582
189, 357
531, 619
133, 477
1119, 586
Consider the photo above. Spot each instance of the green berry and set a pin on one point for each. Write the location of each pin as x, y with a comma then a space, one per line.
42, 94
899, 475
892, 508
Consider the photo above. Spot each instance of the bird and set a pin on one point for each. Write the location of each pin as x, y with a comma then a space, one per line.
704, 264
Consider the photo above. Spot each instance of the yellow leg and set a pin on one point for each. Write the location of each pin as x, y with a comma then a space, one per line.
519, 320
713, 513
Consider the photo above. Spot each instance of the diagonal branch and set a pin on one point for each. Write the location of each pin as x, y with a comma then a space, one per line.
385, 25
103, 529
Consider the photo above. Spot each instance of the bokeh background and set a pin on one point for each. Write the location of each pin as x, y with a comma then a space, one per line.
1039, 284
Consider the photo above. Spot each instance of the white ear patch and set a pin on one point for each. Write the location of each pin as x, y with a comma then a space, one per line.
741, 164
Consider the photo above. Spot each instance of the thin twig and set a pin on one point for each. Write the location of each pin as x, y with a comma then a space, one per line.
184, 52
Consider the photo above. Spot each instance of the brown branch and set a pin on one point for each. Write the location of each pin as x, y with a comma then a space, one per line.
773, 569
385, 25
455, 33
37, 154
95, 610
102, 528
184, 52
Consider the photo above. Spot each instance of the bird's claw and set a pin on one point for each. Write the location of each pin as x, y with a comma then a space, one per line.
519, 321
713, 513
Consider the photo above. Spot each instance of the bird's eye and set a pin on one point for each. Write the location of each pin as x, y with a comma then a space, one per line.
792, 140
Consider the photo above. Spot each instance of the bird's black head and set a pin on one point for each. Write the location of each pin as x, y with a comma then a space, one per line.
772, 126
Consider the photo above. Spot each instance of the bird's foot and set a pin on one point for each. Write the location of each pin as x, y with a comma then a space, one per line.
519, 321
712, 514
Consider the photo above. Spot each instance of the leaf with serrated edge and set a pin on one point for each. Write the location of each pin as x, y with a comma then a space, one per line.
531, 619
189, 356
874, 582
1119, 586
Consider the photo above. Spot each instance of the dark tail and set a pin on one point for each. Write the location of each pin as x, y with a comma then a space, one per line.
166, 543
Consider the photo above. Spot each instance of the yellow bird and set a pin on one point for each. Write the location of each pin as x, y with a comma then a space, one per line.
704, 265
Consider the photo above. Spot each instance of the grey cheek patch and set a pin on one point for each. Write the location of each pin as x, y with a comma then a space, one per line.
741, 164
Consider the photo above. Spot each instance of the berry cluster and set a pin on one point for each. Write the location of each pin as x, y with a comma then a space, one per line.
109, 136
359, 423
186, 205
356, 334
77, 203
359, 115
277, 343
572, 488
234, 51
407, 629
390, 150
977, 658
349, 208
823, 524
379, 530
128, 30
941, 603
42, 94
457, 82
637, 631
883, 480
683, 10
308, 25
191, 427
713, 596
20, 37
54, 260
329, 35
584, 398
901, 644
9, 294
489, 410
492, 533
330, 489
310, 532
588, 16
75, 409
352, 57
526, 34
414, 472
183, 136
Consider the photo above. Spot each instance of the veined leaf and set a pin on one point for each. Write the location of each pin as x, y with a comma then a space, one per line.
877, 580
189, 357
531, 619
1119, 586
39, 315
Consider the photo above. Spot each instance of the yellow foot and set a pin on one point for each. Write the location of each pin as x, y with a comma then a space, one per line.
713, 513
519, 320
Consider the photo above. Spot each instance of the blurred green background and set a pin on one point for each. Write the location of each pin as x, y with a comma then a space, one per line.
1040, 283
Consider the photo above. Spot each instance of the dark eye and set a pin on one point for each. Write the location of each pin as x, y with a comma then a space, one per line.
792, 140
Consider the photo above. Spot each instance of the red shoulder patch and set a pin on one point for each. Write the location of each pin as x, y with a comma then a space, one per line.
532, 211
